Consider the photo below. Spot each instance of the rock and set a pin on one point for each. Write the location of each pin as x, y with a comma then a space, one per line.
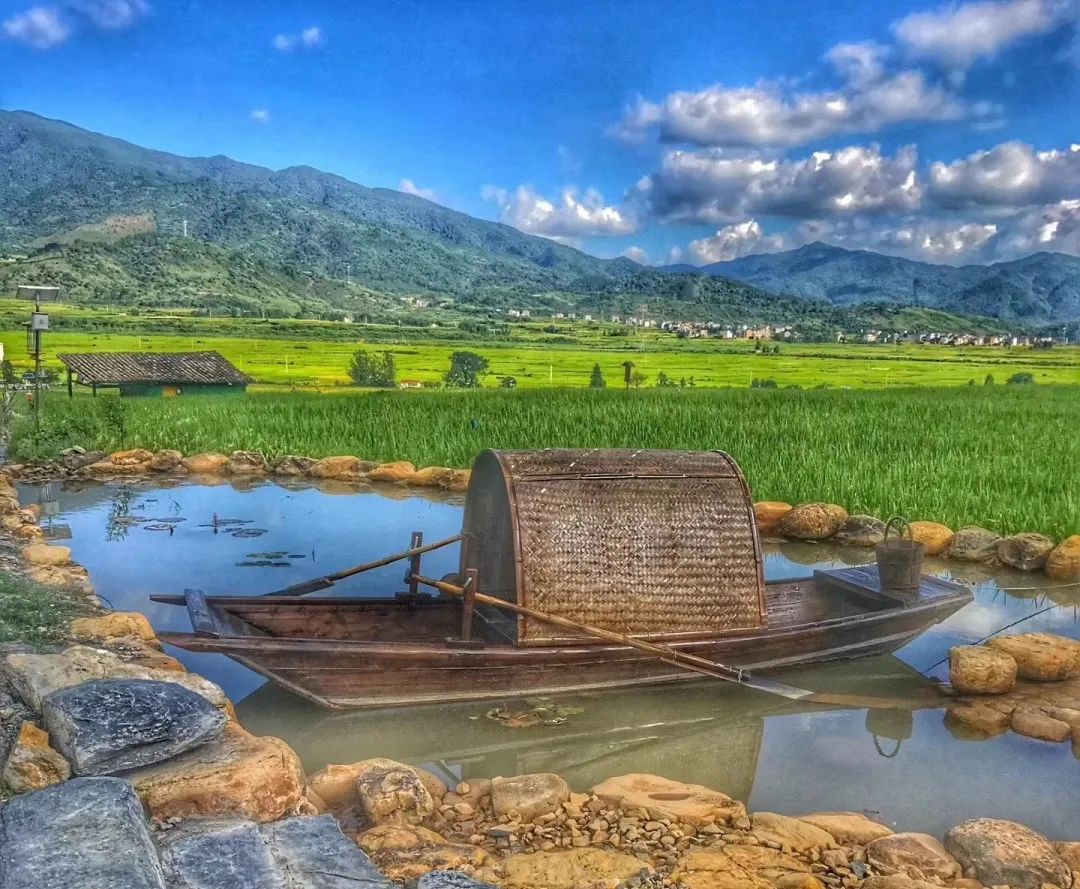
459, 480
135, 457
913, 852
664, 798
297, 853
343, 468
901, 881
798, 881
529, 795
1034, 723
167, 460
974, 544
406, 852
47, 554
246, 463
977, 670
736, 867
799, 836
1006, 853
114, 625
983, 720
110, 725
435, 785
10, 505
431, 477
1027, 552
107, 468
292, 466
1043, 657
848, 828
1063, 563
400, 471
31, 763
813, 521
71, 577
35, 676
768, 514
583, 868
935, 537
235, 775
861, 530
206, 464
450, 879
1070, 854
89, 833
391, 792
335, 785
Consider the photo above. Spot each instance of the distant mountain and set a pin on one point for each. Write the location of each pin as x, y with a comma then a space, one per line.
1043, 288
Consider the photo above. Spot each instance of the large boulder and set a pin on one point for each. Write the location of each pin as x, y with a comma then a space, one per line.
246, 463
399, 471
110, 725
813, 521
736, 867
115, 625
31, 764
1070, 854
861, 530
974, 544
790, 833
406, 852
168, 460
89, 833
664, 798
848, 828
1035, 723
431, 477
47, 554
206, 464
978, 670
529, 795
292, 466
297, 853
391, 792
136, 457
913, 853
570, 869
235, 775
768, 514
35, 676
1006, 853
341, 468
1063, 562
1043, 657
1026, 552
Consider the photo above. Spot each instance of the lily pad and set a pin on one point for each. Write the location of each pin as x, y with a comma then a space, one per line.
249, 532
158, 526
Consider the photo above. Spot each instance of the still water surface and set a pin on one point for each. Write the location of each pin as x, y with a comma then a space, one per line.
908, 770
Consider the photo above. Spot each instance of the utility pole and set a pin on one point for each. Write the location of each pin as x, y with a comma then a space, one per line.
39, 323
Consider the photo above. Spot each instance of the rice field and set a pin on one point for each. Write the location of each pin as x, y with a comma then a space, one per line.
1004, 457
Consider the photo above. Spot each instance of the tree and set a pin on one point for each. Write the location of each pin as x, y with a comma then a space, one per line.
507, 383
373, 370
989, 381
596, 379
628, 372
663, 381
466, 368
637, 379
7, 372
1020, 379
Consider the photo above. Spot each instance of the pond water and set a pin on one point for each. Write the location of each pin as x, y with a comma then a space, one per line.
908, 770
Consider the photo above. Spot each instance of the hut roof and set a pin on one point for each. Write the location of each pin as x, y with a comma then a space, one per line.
173, 368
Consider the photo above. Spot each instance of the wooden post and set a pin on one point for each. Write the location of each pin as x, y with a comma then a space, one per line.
93, 389
468, 604
71, 393
415, 542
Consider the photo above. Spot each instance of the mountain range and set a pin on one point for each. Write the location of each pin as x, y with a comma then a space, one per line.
115, 222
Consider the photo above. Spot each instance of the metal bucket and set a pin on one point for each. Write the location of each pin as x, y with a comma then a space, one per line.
899, 561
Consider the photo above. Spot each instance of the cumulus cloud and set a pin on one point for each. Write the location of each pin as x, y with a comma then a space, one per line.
637, 254
1012, 174
308, 38
712, 187
41, 27
410, 187
571, 215
1052, 227
113, 15
261, 115
733, 241
961, 34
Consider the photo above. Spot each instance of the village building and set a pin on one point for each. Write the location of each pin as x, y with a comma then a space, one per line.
166, 374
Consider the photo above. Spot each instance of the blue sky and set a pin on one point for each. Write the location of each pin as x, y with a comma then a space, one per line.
694, 131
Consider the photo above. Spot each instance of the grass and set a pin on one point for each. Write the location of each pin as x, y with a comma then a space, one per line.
36, 614
999, 456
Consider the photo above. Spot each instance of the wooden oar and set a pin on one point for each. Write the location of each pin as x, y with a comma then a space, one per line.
687, 661
322, 583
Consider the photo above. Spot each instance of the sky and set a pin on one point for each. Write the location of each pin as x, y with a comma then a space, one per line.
677, 131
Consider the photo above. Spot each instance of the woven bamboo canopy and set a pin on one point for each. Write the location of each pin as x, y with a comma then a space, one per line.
657, 544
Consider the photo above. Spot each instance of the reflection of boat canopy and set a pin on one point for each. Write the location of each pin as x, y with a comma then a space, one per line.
651, 545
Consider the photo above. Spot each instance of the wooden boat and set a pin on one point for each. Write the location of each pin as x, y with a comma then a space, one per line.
657, 546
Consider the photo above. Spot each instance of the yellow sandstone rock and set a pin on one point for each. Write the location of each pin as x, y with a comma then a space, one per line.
917, 854
134, 457
975, 669
31, 763
407, 852
799, 836
529, 796
848, 828
166, 461
664, 798
934, 537
391, 792
400, 471
206, 464
768, 515
736, 867
978, 718
1043, 657
570, 869
115, 625
813, 521
47, 554
431, 477
340, 468
1063, 563
1034, 723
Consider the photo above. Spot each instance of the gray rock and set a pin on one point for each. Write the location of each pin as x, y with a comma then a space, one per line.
861, 530
89, 833
974, 544
297, 853
450, 879
1027, 552
110, 725
1006, 853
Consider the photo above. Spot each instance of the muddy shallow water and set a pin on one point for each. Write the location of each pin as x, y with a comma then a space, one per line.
909, 770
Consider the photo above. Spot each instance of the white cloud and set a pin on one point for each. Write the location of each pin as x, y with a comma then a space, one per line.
1012, 174
1053, 227
572, 215
41, 27
410, 187
113, 15
713, 187
637, 254
858, 62
674, 256
308, 38
733, 241
959, 35
261, 115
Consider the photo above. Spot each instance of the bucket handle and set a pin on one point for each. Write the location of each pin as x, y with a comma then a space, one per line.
900, 524
896, 750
